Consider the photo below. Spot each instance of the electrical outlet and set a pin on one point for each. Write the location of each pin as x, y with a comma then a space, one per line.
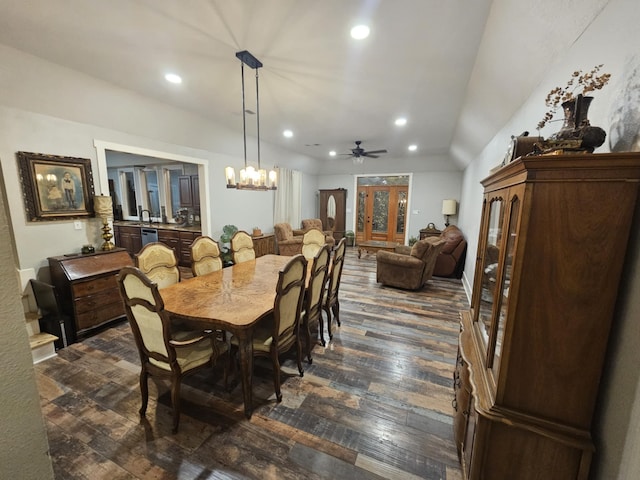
77, 225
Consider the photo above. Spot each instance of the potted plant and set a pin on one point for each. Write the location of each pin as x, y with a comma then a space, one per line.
350, 236
412, 240
225, 244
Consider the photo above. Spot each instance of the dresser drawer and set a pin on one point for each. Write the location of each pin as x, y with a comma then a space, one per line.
96, 301
93, 318
82, 289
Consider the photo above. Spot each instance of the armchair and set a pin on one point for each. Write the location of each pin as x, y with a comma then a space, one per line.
316, 223
288, 243
450, 262
409, 268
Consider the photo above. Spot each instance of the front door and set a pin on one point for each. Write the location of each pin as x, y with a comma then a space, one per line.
382, 213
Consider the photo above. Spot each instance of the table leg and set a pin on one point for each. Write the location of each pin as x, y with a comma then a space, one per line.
245, 349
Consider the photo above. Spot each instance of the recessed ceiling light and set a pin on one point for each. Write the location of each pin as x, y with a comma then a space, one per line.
287, 133
413, 148
359, 32
173, 78
332, 153
401, 121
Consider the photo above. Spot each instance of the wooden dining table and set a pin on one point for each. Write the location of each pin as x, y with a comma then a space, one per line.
233, 299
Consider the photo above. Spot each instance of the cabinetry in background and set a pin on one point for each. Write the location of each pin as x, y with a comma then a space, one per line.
189, 191
333, 205
87, 288
264, 245
553, 238
128, 238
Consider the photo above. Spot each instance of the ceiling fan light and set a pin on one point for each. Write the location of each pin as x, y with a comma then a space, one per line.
360, 32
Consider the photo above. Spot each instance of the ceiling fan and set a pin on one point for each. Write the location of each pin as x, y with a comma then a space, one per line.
360, 152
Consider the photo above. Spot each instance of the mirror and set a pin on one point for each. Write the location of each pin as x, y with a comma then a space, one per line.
331, 212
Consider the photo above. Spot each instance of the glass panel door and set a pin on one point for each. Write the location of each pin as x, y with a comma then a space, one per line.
490, 268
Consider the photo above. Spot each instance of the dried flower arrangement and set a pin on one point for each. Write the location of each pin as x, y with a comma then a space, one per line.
587, 82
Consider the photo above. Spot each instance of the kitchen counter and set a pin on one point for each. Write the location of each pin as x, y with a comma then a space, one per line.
159, 226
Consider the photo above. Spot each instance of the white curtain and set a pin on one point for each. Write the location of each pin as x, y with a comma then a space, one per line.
288, 198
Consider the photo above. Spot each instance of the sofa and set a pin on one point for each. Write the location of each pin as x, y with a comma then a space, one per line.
450, 262
288, 243
311, 223
409, 267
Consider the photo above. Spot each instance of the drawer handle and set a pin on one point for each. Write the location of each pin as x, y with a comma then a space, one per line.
454, 404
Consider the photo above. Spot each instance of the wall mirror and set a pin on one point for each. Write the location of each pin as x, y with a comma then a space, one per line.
331, 212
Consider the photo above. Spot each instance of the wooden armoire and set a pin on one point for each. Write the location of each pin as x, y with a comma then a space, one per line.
333, 206
553, 239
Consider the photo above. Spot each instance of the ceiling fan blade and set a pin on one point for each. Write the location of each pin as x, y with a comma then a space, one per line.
369, 155
376, 151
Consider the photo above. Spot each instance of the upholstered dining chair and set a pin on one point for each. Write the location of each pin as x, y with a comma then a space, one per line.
331, 303
158, 262
312, 242
278, 332
242, 247
205, 256
312, 311
165, 351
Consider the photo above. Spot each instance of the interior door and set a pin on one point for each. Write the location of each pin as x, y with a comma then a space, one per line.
382, 213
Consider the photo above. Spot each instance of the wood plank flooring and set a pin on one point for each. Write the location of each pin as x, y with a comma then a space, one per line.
375, 403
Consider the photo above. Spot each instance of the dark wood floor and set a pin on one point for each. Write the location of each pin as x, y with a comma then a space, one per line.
375, 403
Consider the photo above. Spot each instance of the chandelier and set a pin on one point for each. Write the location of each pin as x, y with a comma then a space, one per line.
250, 177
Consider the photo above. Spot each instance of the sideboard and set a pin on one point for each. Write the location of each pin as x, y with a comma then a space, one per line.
87, 288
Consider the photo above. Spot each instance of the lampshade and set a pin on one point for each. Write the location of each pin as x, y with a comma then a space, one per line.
103, 206
449, 207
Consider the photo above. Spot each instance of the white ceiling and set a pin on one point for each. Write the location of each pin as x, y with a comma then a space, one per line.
328, 88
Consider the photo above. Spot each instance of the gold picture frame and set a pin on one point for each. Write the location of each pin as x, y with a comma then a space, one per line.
55, 187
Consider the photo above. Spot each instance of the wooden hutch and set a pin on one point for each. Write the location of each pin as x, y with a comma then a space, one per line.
552, 245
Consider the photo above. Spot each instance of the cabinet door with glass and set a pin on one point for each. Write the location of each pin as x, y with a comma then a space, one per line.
500, 224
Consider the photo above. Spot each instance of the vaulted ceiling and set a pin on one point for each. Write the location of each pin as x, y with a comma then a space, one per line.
317, 81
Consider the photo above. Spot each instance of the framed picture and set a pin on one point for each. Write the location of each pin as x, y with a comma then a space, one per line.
54, 187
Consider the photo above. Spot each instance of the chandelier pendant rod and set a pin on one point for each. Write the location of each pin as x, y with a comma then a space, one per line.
258, 118
244, 119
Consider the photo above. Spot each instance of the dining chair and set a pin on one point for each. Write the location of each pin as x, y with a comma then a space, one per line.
165, 351
278, 332
312, 311
205, 256
158, 262
331, 301
242, 247
312, 242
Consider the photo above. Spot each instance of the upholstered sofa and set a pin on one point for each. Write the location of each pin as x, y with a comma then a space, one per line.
409, 267
288, 243
316, 223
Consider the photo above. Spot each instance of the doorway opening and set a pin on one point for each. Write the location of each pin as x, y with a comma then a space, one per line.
381, 208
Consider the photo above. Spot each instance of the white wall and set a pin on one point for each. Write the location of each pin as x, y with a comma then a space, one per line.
23, 443
612, 40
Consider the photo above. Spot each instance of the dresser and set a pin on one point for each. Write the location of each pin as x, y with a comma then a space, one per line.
88, 289
551, 249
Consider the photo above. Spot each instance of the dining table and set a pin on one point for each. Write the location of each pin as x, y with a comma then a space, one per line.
233, 299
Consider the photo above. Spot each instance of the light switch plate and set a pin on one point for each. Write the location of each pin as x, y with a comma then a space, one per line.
416, 212
77, 225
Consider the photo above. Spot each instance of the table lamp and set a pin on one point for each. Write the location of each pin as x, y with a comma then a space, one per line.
103, 207
449, 208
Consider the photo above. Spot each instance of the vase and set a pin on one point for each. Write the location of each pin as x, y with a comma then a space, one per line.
576, 126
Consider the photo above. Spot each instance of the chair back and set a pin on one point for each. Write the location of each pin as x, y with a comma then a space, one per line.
149, 322
158, 262
205, 256
309, 223
46, 298
242, 247
317, 282
283, 231
289, 299
312, 242
336, 272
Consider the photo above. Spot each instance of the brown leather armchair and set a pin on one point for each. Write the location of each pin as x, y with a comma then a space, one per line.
288, 243
450, 262
311, 223
409, 268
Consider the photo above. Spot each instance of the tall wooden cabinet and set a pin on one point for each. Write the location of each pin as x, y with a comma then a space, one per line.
552, 244
333, 206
